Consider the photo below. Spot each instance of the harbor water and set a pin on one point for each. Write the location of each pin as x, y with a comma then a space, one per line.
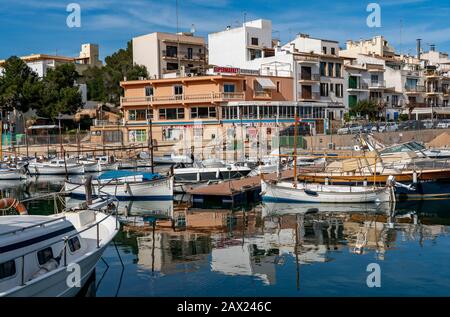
268, 250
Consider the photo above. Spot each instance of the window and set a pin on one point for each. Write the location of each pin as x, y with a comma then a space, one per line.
395, 101
148, 91
324, 50
137, 136
338, 70
189, 53
332, 87
171, 113
330, 69
374, 79
278, 86
178, 90
74, 244
45, 255
203, 112
140, 114
172, 66
333, 51
324, 90
7, 269
254, 54
323, 68
244, 85
229, 88
339, 90
171, 51
255, 41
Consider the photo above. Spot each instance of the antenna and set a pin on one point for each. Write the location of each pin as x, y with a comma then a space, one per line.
245, 17
178, 35
401, 30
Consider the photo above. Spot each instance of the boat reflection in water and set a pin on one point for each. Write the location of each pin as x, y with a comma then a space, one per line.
257, 243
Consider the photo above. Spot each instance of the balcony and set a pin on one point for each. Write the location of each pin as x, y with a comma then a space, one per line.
107, 123
414, 89
381, 84
358, 86
309, 77
267, 94
183, 99
184, 56
434, 91
304, 59
315, 96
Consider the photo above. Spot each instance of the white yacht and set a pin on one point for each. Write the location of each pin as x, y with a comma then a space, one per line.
56, 167
40, 255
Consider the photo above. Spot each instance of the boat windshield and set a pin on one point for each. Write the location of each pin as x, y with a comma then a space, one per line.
407, 147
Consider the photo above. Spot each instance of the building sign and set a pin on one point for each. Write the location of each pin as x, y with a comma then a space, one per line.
234, 70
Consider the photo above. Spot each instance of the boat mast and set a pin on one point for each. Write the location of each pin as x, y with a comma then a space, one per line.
295, 148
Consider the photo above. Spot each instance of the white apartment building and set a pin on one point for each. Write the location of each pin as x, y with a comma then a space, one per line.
237, 46
374, 46
165, 53
314, 64
41, 63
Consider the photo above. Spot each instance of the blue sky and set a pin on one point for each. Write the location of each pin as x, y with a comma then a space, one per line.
39, 26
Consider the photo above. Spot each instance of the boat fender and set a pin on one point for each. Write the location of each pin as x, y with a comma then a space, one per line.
311, 193
13, 203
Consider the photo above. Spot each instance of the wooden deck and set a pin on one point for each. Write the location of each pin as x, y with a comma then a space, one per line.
233, 187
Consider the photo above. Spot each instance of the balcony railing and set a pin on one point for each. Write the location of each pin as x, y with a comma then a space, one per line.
307, 59
262, 94
184, 55
377, 84
105, 123
359, 86
415, 89
434, 90
310, 77
306, 96
211, 97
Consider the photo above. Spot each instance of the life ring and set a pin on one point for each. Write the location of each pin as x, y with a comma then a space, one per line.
13, 203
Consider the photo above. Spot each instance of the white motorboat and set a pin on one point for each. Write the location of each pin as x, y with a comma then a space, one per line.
98, 164
213, 171
288, 192
55, 167
172, 159
125, 185
12, 174
52, 256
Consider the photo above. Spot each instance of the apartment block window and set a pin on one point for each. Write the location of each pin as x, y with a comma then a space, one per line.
189, 53
324, 90
374, 79
229, 88
177, 90
330, 69
339, 90
171, 113
139, 115
137, 135
171, 51
255, 41
148, 91
323, 69
338, 70
332, 87
333, 51
324, 50
203, 112
254, 54
172, 66
394, 101
278, 86
244, 85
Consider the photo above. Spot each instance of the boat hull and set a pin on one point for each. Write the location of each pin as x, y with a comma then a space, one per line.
193, 175
56, 170
11, 175
161, 189
313, 193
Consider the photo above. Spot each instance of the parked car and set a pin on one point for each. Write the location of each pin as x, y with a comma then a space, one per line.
444, 124
386, 127
355, 128
343, 130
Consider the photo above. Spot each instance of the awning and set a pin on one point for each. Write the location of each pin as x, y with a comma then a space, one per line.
266, 83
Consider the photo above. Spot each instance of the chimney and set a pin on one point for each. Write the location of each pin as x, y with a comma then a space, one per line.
433, 47
292, 47
419, 49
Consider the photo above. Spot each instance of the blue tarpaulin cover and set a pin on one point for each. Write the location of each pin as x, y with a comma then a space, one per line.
121, 174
